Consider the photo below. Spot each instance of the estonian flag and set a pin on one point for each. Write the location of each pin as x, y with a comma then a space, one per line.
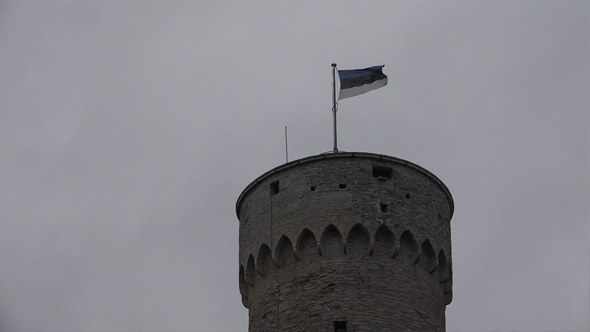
358, 81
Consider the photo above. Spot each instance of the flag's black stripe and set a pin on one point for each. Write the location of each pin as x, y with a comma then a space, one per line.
358, 81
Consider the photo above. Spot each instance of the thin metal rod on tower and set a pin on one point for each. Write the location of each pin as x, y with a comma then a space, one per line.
286, 146
335, 105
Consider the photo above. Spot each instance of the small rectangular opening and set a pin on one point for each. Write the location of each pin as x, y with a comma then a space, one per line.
312, 188
382, 172
383, 207
342, 185
274, 188
339, 326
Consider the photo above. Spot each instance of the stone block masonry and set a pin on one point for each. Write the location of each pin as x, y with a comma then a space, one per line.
358, 241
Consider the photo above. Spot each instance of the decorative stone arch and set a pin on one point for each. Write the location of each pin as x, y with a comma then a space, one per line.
445, 277
443, 267
282, 245
244, 290
359, 232
448, 287
303, 236
408, 238
385, 239
428, 253
263, 252
249, 277
329, 232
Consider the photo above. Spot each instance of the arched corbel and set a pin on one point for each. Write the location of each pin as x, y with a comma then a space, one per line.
395, 250
432, 267
297, 253
416, 256
275, 259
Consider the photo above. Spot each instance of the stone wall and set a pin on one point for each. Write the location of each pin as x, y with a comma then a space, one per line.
354, 237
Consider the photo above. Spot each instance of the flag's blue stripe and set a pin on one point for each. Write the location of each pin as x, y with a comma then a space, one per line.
346, 74
372, 76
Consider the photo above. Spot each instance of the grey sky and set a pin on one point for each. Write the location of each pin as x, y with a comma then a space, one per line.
128, 130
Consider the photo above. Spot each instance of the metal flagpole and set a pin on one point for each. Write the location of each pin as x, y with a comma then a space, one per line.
335, 105
286, 146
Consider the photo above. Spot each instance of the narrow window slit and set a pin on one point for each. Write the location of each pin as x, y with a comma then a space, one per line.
312, 188
342, 185
408, 196
340, 326
274, 188
383, 207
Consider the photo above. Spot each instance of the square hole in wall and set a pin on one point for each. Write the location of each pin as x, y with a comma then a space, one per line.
274, 188
383, 207
383, 173
340, 326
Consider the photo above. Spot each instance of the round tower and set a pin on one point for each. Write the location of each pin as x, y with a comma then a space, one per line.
346, 242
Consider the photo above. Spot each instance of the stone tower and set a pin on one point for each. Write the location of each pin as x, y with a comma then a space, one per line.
346, 242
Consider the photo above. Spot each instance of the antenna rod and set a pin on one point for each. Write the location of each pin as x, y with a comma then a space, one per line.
286, 146
335, 105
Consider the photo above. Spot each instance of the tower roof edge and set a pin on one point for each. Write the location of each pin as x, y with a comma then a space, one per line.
345, 155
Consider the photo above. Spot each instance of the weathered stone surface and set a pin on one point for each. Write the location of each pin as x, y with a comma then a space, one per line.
355, 237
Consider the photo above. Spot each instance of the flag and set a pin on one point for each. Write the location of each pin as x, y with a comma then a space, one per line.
359, 81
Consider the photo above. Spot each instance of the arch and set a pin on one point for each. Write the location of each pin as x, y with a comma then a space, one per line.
448, 287
430, 256
250, 271
263, 253
407, 240
306, 243
244, 290
445, 277
331, 241
284, 246
443, 267
358, 239
448, 297
384, 242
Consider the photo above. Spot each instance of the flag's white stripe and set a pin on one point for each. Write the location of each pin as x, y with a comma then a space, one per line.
359, 90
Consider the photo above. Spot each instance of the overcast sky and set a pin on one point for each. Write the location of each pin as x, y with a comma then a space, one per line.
129, 128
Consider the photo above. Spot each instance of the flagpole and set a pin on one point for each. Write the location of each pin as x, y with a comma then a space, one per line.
334, 105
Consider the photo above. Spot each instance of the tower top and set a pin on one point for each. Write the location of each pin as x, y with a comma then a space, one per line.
346, 155
349, 241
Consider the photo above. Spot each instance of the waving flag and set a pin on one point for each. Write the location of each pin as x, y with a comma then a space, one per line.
359, 81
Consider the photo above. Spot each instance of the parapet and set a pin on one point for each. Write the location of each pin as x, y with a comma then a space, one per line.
344, 155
